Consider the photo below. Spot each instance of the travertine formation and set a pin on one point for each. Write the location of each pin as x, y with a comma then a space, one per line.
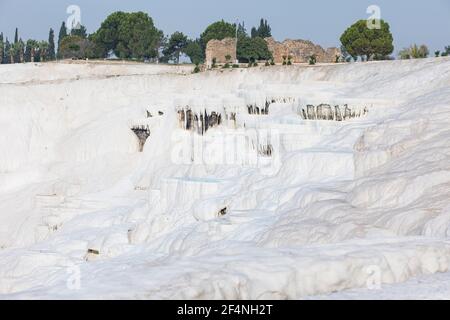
220, 49
265, 150
300, 51
142, 132
200, 122
254, 109
327, 112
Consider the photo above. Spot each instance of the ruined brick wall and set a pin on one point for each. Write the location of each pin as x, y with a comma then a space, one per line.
301, 50
219, 49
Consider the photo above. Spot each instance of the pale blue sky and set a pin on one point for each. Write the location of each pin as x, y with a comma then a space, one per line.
322, 21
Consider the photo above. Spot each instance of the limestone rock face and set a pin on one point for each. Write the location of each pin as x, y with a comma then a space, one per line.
219, 49
300, 50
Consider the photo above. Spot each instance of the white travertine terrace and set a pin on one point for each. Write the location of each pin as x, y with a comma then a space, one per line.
260, 206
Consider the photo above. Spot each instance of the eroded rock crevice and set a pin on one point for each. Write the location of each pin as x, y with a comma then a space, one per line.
265, 150
254, 109
200, 122
330, 113
142, 132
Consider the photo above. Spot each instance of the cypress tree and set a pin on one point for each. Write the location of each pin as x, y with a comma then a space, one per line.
51, 45
16, 36
7, 58
21, 52
62, 35
263, 31
2, 48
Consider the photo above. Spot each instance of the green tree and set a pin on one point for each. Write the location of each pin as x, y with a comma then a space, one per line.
51, 45
360, 41
16, 36
31, 51
263, 31
2, 48
62, 32
28, 50
79, 30
252, 49
43, 50
129, 35
195, 52
414, 52
312, 60
18, 51
8, 56
15, 52
176, 44
76, 47
61, 36
93, 50
218, 30
241, 31
71, 47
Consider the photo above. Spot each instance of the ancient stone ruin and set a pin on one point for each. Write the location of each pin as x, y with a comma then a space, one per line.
300, 51
142, 132
220, 49
327, 112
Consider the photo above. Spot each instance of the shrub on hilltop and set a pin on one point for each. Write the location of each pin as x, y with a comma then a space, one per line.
414, 52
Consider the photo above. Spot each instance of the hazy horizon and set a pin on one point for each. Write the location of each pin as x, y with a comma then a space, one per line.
322, 22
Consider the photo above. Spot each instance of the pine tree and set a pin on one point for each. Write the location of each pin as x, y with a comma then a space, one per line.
16, 36
51, 45
62, 35
176, 44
